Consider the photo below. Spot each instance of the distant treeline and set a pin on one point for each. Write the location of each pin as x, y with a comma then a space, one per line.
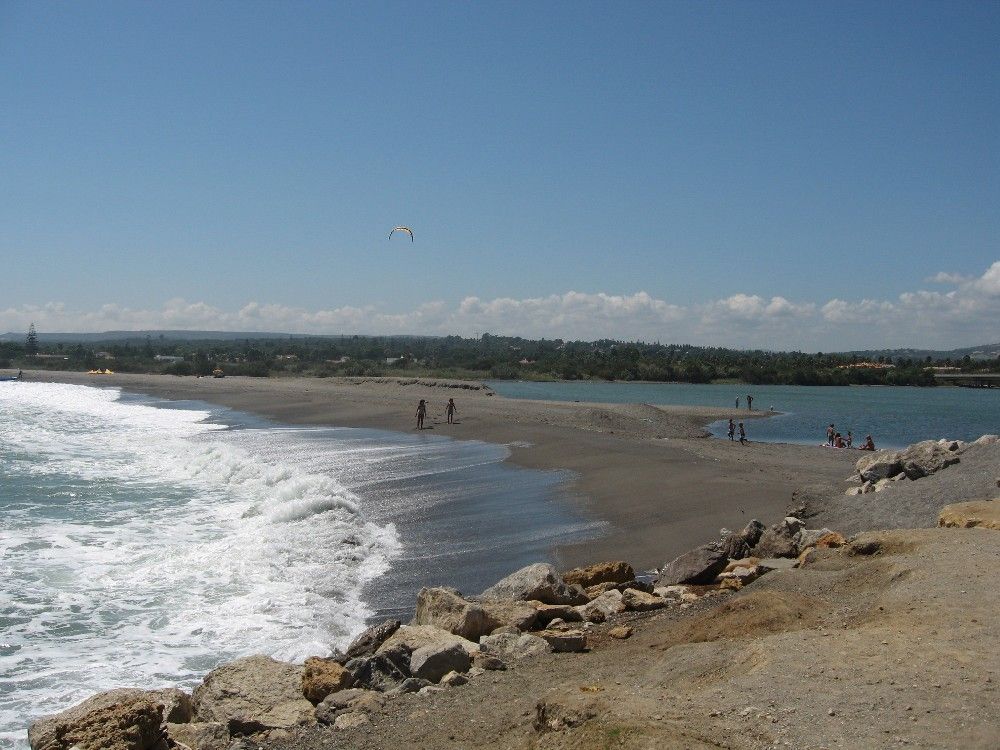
497, 357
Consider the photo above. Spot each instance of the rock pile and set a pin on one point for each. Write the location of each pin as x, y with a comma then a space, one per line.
877, 471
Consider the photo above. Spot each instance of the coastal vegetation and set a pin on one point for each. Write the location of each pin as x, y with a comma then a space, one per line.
485, 357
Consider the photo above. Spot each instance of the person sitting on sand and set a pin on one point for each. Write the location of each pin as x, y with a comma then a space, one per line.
838, 441
451, 409
850, 439
421, 413
869, 444
743, 435
732, 429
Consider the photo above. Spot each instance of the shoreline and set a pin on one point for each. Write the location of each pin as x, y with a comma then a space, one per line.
647, 471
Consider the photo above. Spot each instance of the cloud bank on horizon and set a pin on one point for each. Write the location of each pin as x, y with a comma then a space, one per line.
967, 314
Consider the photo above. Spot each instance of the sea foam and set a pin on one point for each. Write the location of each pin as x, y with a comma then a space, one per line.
142, 546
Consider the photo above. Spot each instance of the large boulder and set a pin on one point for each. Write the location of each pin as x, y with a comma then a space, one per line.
916, 461
127, 719
606, 572
444, 609
509, 647
565, 641
926, 458
416, 636
879, 465
520, 615
256, 688
368, 642
739, 544
207, 735
603, 607
779, 540
434, 661
539, 581
320, 677
700, 565
381, 672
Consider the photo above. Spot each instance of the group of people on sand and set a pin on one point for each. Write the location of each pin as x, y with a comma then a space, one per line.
835, 440
450, 411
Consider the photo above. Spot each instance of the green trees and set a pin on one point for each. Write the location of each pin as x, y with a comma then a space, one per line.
31, 341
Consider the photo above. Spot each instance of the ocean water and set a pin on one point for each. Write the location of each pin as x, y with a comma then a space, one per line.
894, 416
142, 543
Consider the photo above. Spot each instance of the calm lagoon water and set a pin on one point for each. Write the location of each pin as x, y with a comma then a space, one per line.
894, 416
144, 542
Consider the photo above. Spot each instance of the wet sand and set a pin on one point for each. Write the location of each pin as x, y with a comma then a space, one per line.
647, 470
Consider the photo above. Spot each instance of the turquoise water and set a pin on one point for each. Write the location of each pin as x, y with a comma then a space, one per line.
894, 416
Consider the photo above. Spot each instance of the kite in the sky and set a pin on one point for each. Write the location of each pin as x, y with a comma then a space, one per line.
402, 229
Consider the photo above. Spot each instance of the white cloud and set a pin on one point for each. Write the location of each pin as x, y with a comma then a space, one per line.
943, 277
967, 314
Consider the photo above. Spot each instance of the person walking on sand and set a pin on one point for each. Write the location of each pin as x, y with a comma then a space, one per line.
732, 429
743, 435
421, 413
749, 402
451, 409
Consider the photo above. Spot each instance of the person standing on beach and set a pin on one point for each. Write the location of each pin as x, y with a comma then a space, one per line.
732, 428
743, 435
451, 409
421, 413
850, 439
749, 402
737, 402
830, 432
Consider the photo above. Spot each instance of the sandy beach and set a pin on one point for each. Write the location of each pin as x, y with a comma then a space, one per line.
647, 470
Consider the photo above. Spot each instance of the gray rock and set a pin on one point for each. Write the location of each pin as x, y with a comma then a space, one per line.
443, 609
700, 565
435, 661
779, 540
519, 615
565, 641
415, 636
383, 671
205, 735
509, 647
540, 582
603, 607
369, 641
269, 691
738, 546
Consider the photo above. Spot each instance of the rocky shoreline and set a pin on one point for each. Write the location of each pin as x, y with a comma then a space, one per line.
534, 616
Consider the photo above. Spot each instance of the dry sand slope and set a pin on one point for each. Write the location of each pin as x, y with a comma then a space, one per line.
890, 642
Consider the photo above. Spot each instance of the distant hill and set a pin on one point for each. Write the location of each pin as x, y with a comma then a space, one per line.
984, 351
132, 336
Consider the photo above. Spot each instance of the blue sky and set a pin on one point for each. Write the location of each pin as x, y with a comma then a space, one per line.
744, 165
